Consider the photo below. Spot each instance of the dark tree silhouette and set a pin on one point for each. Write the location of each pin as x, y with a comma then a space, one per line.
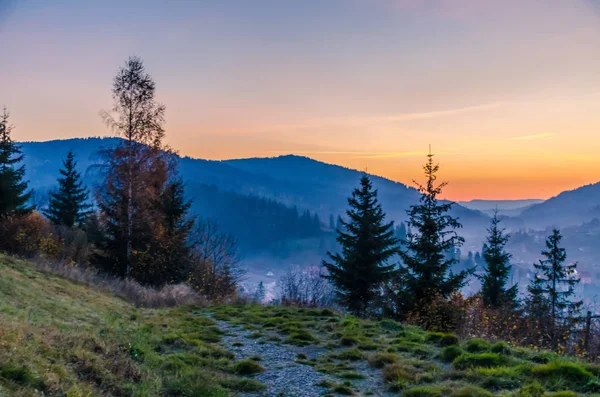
367, 244
497, 269
557, 285
69, 205
138, 118
14, 196
427, 274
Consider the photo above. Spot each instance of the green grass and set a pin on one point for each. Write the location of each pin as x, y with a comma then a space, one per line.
62, 338
247, 367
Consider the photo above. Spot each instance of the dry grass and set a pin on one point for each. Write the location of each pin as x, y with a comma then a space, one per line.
128, 289
64, 338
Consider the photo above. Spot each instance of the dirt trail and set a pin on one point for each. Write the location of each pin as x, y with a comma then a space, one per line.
283, 376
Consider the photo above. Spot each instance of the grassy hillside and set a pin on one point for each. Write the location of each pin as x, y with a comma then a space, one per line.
411, 361
62, 338
67, 339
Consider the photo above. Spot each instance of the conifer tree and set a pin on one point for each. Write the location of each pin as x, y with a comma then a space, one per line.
14, 196
536, 303
368, 243
494, 291
401, 233
557, 283
427, 272
68, 206
259, 295
170, 252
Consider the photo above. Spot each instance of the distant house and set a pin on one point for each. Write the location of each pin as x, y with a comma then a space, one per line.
585, 277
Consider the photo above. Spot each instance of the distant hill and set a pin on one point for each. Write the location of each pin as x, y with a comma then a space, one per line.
504, 207
569, 208
292, 180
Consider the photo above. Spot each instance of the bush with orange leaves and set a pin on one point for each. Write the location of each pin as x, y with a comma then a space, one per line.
503, 323
32, 235
440, 314
27, 235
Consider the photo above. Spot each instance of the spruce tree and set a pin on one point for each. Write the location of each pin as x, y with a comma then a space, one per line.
68, 206
368, 243
494, 291
427, 272
557, 283
259, 295
536, 303
401, 233
14, 196
167, 259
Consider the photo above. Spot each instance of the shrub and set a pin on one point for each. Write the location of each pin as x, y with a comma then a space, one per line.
564, 393
300, 337
442, 339
379, 360
244, 385
168, 296
327, 313
24, 235
20, 375
424, 391
442, 314
471, 391
565, 373
531, 390
488, 360
498, 378
343, 389
350, 354
448, 354
398, 373
500, 347
477, 345
390, 325
352, 375
348, 340
247, 367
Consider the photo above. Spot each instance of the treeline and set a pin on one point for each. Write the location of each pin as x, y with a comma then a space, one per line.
258, 223
406, 273
138, 224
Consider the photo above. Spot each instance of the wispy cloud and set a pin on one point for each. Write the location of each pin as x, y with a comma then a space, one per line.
528, 137
363, 121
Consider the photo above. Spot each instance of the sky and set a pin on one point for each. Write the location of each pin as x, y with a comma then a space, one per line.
507, 93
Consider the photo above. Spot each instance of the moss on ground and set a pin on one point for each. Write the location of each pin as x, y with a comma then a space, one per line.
62, 338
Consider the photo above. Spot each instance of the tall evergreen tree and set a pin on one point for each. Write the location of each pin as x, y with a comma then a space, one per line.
170, 252
14, 196
494, 291
368, 243
557, 283
259, 294
427, 272
536, 303
401, 233
68, 206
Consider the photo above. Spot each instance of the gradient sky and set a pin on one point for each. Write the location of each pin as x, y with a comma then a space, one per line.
506, 92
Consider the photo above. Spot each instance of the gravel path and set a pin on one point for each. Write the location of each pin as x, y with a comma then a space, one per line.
283, 376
